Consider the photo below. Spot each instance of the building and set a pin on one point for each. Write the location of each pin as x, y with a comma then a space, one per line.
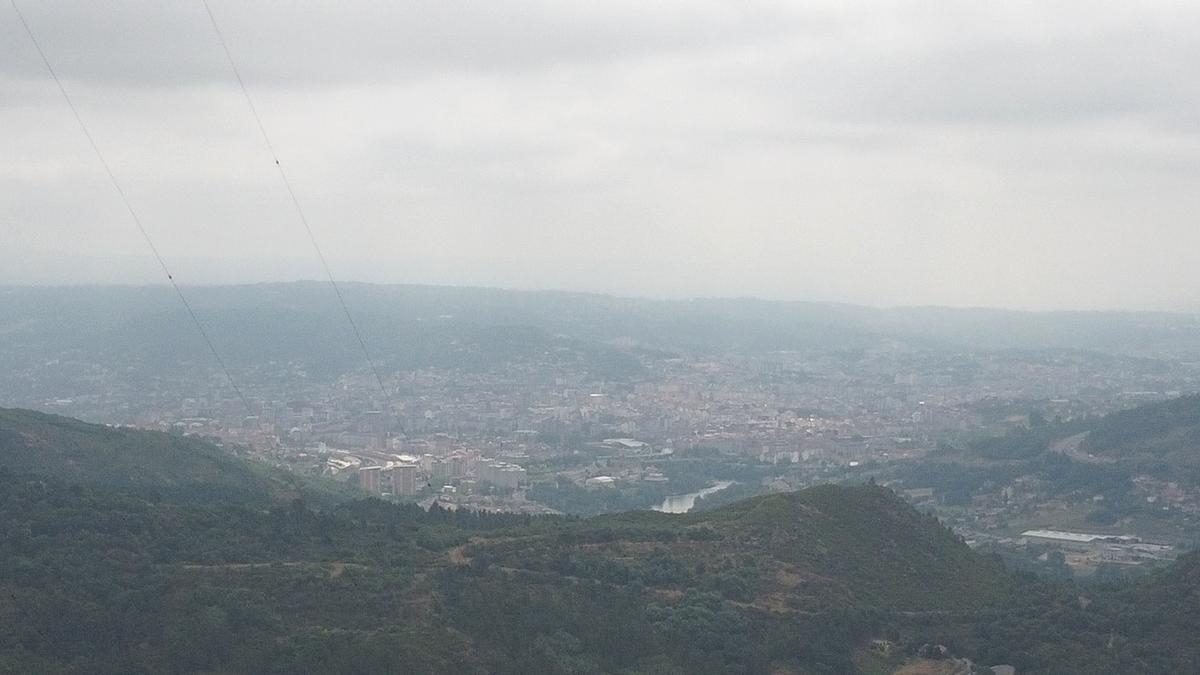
626, 445
440, 468
500, 474
600, 482
368, 479
1077, 540
404, 480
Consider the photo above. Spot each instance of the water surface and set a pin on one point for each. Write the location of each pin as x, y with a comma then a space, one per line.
684, 503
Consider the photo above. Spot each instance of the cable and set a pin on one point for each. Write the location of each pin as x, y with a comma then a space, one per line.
112, 177
292, 194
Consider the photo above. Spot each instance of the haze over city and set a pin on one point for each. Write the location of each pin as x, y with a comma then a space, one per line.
1014, 155
599, 338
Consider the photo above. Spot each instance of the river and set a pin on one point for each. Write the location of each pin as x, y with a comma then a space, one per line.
684, 503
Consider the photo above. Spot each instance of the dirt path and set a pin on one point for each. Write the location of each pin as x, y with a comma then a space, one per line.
335, 569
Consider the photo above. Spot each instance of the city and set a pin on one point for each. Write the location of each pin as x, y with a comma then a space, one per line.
540, 432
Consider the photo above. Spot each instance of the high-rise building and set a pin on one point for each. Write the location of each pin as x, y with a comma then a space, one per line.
368, 479
441, 468
404, 480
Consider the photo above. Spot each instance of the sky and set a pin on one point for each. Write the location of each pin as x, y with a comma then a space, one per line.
1013, 154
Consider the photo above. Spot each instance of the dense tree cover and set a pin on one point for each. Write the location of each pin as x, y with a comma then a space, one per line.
1026, 442
1147, 626
95, 581
564, 495
1160, 439
1157, 617
1148, 428
203, 563
102, 581
156, 465
956, 482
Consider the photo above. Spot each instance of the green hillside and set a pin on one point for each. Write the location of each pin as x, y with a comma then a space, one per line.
1158, 616
104, 575
1077, 460
826, 547
1162, 431
104, 582
1165, 430
788, 581
147, 462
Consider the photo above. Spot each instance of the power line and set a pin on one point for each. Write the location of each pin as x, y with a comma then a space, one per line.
292, 194
112, 177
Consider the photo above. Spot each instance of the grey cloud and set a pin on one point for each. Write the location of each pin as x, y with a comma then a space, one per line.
152, 43
885, 152
1037, 82
1134, 69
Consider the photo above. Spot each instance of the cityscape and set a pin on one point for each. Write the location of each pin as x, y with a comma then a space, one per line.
540, 433
767, 337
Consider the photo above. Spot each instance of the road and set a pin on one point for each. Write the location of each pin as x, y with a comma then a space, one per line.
1070, 446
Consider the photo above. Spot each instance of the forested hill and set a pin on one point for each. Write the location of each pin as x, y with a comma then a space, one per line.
1164, 429
149, 463
97, 581
1104, 468
1100, 455
829, 580
822, 548
100, 574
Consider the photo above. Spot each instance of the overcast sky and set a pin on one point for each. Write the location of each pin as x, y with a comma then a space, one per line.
1019, 154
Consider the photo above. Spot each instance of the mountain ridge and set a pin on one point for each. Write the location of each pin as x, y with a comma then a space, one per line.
167, 466
102, 577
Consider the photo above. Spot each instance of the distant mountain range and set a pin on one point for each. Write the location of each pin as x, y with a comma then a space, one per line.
107, 565
416, 326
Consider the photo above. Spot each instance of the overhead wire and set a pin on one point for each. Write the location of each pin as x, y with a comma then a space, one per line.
112, 177
287, 183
